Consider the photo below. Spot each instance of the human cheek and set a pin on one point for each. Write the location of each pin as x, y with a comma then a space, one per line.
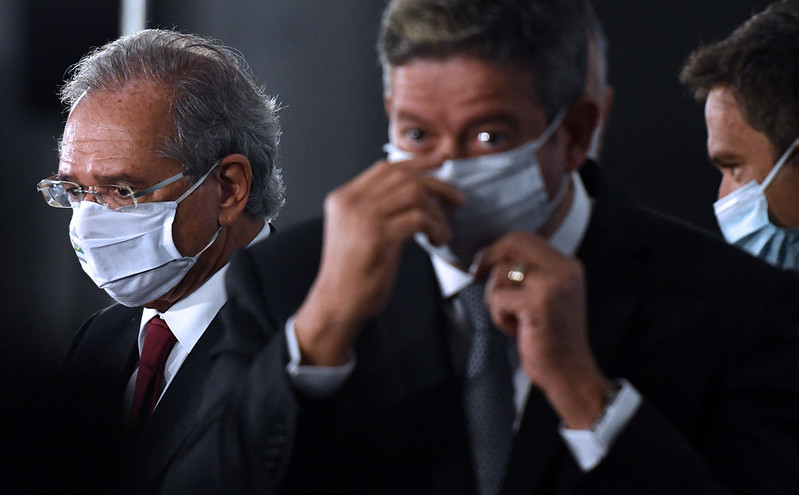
195, 222
553, 170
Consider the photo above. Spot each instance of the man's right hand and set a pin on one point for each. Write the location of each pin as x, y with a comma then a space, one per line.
367, 221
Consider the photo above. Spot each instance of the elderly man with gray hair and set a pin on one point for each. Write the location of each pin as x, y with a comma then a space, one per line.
167, 163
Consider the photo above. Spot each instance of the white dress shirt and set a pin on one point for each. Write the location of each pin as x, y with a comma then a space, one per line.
187, 319
588, 447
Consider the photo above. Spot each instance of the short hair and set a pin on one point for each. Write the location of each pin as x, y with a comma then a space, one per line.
545, 37
759, 62
596, 33
217, 108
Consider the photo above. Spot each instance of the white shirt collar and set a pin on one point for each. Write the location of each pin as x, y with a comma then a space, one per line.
189, 317
566, 239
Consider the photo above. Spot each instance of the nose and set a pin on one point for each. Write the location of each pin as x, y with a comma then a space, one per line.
89, 195
449, 149
726, 186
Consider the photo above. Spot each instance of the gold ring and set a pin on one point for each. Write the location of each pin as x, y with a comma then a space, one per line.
516, 273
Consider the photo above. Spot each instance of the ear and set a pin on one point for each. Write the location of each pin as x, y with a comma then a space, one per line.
387, 103
234, 176
579, 123
607, 105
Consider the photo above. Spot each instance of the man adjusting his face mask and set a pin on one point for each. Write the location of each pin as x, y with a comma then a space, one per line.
504, 192
580, 352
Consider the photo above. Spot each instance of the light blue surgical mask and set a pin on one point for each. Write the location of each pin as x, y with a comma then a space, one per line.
743, 218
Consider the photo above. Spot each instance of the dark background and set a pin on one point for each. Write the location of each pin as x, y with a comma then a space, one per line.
318, 57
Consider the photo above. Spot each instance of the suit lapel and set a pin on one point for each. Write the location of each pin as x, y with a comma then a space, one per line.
102, 359
410, 329
612, 254
615, 255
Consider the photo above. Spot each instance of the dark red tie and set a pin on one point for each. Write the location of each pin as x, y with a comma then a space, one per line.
158, 343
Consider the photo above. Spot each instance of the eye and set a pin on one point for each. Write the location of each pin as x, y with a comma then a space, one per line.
414, 134
726, 167
113, 194
72, 190
123, 191
491, 141
487, 137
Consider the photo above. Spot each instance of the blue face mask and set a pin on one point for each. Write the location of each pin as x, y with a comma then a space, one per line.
743, 218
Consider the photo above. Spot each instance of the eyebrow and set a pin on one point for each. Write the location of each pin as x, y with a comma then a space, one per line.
117, 179
499, 116
724, 159
405, 115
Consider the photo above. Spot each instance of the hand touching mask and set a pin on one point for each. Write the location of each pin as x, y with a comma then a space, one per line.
504, 192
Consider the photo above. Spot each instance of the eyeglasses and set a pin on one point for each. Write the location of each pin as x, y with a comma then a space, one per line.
64, 194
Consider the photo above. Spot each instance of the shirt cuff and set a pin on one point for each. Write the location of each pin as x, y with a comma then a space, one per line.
589, 447
317, 382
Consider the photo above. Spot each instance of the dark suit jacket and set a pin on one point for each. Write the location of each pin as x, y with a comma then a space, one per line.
96, 455
707, 334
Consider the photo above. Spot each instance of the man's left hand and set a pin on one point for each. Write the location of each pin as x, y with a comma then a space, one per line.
546, 312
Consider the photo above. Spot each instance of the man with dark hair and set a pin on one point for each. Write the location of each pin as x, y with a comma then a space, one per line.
484, 313
749, 83
167, 163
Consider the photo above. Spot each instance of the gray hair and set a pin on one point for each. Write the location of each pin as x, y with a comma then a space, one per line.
545, 37
596, 33
217, 107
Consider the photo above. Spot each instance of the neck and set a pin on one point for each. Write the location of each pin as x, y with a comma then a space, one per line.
238, 234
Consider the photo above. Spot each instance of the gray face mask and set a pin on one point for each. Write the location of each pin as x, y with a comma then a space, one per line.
504, 192
743, 219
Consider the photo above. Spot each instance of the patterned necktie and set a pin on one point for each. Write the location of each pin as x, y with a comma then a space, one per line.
488, 394
158, 343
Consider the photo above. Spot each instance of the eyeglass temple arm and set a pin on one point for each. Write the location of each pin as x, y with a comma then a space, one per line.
161, 184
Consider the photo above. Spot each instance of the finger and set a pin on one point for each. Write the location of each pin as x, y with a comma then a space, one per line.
420, 163
384, 178
403, 194
526, 248
402, 225
381, 178
499, 275
443, 191
509, 308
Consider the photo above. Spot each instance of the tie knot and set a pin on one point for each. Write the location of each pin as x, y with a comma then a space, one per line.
158, 343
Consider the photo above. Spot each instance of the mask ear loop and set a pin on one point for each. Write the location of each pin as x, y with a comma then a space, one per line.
197, 184
550, 130
191, 190
543, 138
210, 243
780, 163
